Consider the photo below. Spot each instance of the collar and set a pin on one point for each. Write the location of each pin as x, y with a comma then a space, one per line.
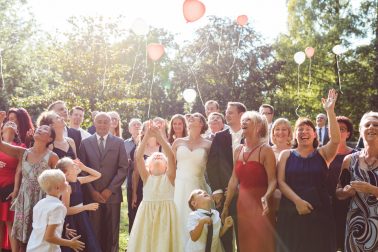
53, 198
98, 137
236, 133
205, 211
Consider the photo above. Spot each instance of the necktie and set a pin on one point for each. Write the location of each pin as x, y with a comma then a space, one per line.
209, 238
320, 136
101, 146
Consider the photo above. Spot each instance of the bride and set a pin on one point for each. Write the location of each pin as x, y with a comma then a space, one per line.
191, 155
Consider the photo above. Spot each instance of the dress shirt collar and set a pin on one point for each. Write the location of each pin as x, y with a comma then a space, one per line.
204, 211
98, 137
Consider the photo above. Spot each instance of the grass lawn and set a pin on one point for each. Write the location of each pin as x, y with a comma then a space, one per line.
124, 225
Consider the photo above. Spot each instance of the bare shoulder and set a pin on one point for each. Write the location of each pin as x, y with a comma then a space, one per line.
284, 155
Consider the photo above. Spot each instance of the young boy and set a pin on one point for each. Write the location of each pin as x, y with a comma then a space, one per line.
200, 202
48, 216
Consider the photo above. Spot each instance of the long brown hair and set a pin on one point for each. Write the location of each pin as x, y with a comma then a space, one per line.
171, 132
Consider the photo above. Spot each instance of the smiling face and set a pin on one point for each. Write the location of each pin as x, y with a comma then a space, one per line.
77, 118
135, 128
215, 123
281, 134
369, 129
57, 121
102, 124
178, 126
211, 107
43, 134
232, 115
13, 118
305, 135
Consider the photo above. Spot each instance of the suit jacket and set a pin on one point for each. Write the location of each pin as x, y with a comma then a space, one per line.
112, 165
75, 135
326, 135
220, 161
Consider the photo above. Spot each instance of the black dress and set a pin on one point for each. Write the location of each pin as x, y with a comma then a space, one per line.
314, 232
61, 153
80, 222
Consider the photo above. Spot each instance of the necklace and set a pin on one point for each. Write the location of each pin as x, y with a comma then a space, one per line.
247, 149
371, 165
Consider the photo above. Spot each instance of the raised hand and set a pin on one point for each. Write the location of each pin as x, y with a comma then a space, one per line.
3, 115
329, 103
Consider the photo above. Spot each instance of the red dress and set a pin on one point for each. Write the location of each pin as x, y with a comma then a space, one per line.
256, 232
7, 175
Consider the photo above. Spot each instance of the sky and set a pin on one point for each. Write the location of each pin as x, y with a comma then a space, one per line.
267, 16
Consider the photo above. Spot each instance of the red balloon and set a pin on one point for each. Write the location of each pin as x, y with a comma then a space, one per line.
193, 10
155, 51
309, 52
242, 20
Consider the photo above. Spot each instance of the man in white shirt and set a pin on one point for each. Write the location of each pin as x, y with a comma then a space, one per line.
322, 129
76, 119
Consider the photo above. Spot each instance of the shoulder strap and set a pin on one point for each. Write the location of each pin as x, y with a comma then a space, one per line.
354, 160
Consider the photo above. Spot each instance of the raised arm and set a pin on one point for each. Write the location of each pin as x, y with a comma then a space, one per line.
329, 150
302, 206
13, 151
139, 156
93, 174
171, 169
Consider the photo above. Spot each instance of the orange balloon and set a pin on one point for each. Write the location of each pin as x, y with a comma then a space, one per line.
242, 20
193, 10
309, 52
155, 51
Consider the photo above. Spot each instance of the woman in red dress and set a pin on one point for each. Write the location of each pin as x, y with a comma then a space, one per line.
8, 166
255, 173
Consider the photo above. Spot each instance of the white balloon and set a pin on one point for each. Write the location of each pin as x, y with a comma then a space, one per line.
299, 57
189, 95
140, 27
338, 49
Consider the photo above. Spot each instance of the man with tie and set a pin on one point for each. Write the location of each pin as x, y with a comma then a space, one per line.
322, 129
107, 154
220, 163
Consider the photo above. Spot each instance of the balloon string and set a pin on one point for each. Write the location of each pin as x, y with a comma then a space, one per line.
105, 70
135, 60
309, 75
149, 100
233, 53
219, 46
145, 74
296, 111
298, 82
338, 73
199, 92
1, 72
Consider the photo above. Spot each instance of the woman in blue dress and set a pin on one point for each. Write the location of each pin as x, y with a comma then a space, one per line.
305, 219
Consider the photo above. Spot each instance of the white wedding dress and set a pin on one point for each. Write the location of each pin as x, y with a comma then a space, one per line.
190, 175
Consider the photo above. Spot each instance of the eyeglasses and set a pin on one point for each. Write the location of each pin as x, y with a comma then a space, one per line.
343, 129
266, 113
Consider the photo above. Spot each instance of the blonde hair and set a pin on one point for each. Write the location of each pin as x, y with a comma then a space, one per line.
191, 198
63, 163
118, 129
281, 121
150, 158
367, 115
50, 178
259, 121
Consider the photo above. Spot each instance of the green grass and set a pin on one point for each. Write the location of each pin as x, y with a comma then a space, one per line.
124, 225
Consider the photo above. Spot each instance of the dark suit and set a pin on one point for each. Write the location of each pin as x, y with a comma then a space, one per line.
325, 138
113, 168
75, 135
219, 170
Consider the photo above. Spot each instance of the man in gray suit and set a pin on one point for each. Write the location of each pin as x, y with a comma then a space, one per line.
107, 154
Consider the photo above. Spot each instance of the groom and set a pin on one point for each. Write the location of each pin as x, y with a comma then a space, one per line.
220, 163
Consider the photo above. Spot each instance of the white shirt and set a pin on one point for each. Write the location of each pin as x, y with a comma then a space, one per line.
48, 211
323, 133
236, 139
84, 133
200, 244
99, 141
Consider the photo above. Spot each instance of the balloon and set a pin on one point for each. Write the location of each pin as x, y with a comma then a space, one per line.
189, 95
338, 49
299, 57
242, 20
140, 27
155, 51
193, 10
309, 52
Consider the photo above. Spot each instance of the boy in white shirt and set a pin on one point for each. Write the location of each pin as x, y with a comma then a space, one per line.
202, 221
49, 214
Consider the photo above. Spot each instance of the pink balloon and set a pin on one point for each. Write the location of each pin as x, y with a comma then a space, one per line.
193, 10
155, 51
242, 20
309, 52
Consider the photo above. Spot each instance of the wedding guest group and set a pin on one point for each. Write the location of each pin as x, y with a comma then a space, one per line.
230, 179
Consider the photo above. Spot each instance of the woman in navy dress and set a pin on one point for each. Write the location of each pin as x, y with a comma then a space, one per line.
305, 219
